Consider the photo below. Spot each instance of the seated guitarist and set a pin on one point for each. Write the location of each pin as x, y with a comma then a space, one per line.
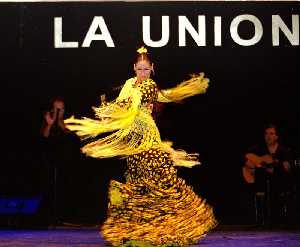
267, 167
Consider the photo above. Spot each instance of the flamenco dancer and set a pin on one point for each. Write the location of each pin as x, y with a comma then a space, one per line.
154, 207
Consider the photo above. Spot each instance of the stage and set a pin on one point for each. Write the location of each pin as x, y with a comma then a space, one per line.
239, 236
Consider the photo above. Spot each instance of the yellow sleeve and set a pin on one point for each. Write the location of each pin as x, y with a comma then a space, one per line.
197, 84
110, 116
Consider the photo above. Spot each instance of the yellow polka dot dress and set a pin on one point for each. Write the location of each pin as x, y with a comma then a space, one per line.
154, 207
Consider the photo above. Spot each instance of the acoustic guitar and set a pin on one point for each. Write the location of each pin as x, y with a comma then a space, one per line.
254, 161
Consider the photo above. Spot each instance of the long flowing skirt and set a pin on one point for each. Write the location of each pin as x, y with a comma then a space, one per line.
155, 207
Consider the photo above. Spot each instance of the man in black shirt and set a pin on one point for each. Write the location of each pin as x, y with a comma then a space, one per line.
61, 156
267, 170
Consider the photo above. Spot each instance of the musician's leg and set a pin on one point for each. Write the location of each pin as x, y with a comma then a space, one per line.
260, 196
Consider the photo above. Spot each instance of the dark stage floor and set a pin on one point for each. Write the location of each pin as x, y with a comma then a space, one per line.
89, 237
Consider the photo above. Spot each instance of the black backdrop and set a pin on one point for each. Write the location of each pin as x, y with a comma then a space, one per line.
250, 86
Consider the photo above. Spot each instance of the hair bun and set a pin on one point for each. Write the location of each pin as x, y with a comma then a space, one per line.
142, 50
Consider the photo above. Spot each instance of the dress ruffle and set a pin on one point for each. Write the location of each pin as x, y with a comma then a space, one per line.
155, 207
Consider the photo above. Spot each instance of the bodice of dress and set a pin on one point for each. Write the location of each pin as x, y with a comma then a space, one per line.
143, 124
149, 91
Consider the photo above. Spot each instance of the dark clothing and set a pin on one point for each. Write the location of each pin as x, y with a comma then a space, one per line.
279, 178
61, 158
270, 190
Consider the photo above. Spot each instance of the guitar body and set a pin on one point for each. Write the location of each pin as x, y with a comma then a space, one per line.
254, 161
